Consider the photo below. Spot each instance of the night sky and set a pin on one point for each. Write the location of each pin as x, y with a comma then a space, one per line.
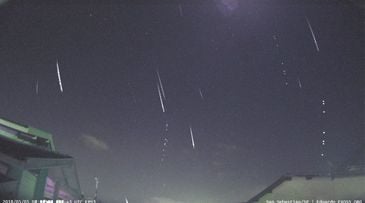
245, 76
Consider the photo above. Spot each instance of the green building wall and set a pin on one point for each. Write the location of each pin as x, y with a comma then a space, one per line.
29, 184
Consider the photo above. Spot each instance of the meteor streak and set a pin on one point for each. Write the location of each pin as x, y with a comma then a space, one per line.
313, 36
161, 86
192, 137
59, 77
161, 100
201, 93
36, 87
299, 83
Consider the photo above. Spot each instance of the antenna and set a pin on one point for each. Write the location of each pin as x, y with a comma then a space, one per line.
96, 187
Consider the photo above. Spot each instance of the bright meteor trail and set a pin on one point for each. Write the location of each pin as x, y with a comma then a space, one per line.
59, 77
313, 36
160, 82
192, 137
161, 100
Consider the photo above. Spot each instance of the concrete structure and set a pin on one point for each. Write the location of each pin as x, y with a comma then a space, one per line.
30, 168
313, 188
347, 182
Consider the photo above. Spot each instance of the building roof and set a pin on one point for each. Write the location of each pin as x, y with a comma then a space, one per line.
349, 170
313, 186
23, 151
26, 133
271, 187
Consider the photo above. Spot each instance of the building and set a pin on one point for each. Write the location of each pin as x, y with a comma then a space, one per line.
30, 167
313, 188
347, 182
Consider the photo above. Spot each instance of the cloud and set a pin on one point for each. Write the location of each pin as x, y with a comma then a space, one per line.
162, 200
94, 143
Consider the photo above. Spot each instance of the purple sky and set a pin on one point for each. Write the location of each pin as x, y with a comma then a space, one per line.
258, 116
